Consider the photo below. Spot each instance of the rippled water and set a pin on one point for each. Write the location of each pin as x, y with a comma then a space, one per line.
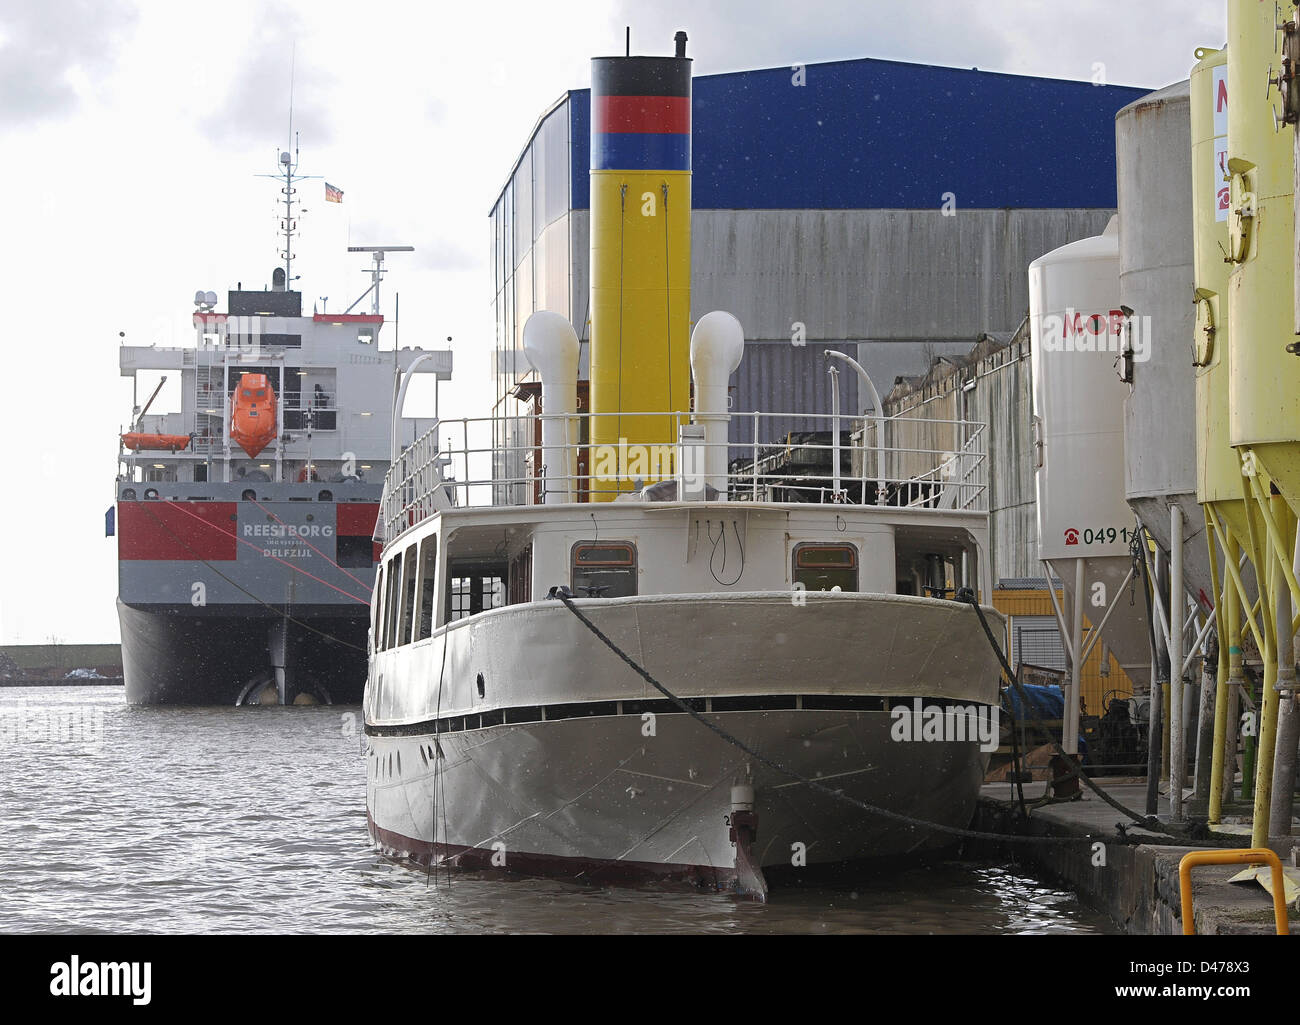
121, 819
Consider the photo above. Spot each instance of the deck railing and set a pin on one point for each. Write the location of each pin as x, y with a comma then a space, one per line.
923, 463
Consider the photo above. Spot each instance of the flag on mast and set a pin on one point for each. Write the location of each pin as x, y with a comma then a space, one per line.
333, 195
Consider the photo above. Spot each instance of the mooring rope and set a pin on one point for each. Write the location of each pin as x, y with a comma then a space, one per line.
965, 594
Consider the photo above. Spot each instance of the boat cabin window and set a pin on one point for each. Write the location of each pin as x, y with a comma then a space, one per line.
428, 585
410, 565
376, 618
391, 596
521, 576
826, 567
474, 586
603, 569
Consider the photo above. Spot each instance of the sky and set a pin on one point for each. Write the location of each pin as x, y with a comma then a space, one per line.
132, 133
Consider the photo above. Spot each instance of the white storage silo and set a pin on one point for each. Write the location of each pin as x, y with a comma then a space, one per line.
1154, 173
1084, 522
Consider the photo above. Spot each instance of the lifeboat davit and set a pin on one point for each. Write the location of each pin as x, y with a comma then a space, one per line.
138, 441
252, 414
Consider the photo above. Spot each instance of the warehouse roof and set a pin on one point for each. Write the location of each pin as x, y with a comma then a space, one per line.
868, 134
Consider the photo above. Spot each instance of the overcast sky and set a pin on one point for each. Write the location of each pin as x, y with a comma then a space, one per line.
131, 134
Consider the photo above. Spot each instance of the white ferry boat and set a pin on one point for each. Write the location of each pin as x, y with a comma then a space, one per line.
571, 672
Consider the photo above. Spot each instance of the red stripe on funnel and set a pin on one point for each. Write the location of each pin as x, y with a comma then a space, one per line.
659, 114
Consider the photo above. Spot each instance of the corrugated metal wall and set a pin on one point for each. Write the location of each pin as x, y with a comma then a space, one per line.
1001, 399
881, 284
860, 275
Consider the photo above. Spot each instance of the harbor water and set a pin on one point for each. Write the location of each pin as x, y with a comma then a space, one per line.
221, 820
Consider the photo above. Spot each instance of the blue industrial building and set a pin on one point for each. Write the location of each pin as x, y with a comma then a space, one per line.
874, 204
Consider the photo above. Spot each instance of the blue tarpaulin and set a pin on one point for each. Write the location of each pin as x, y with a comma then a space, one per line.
1041, 704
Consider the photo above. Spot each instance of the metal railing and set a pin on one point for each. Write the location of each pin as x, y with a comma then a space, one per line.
1252, 856
924, 463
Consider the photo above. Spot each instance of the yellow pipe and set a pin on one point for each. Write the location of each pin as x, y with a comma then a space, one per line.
1236, 676
1233, 571
1252, 856
1223, 596
1268, 716
1282, 548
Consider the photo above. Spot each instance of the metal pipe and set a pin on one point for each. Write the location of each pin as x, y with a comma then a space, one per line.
395, 441
877, 418
1203, 773
1189, 861
1224, 594
1177, 731
1153, 705
1267, 746
835, 432
1288, 719
1070, 739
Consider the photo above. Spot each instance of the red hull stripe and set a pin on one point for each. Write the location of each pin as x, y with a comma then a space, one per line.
356, 519
656, 114
158, 530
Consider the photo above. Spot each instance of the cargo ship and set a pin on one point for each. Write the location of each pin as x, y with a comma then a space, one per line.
245, 519
657, 657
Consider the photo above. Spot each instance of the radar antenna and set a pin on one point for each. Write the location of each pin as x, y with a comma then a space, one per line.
376, 272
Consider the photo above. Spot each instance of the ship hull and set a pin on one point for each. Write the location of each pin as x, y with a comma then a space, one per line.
595, 801
526, 746
173, 656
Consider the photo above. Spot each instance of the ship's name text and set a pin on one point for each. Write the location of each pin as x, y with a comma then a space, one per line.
287, 530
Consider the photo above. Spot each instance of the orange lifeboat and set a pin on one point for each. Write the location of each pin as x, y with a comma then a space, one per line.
137, 441
252, 414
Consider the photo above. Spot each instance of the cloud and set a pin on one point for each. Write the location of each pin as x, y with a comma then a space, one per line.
45, 46
256, 110
444, 255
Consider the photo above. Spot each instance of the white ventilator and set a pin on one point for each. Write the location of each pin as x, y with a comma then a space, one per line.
717, 345
551, 347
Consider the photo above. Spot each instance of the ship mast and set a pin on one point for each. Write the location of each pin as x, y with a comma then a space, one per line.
288, 173
288, 224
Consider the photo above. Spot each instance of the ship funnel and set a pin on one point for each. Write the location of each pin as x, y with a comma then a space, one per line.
717, 345
277, 280
640, 253
551, 347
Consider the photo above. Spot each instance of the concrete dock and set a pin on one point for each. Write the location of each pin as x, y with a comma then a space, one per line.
1134, 882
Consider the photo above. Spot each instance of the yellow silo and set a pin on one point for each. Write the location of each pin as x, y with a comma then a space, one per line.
1264, 379
1263, 407
1218, 467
